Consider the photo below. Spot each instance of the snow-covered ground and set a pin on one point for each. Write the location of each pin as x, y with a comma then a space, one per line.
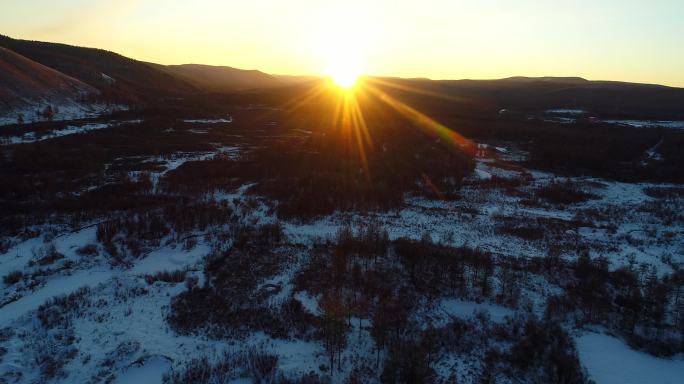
472, 220
461, 308
30, 136
170, 163
123, 335
649, 123
148, 371
227, 120
572, 115
171, 259
566, 111
71, 110
55, 287
611, 361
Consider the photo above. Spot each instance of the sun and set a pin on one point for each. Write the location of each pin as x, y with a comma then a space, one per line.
345, 79
343, 62
343, 72
342, 49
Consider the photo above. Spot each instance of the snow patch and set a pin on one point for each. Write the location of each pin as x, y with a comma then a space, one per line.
69, 110
170, 259
209, 121
309, 303
672, 124
55, 287
107, 79
610, 361
465, 309
148, 372
566, 111
31, 137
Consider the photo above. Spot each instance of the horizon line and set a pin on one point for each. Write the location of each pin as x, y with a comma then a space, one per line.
322, 76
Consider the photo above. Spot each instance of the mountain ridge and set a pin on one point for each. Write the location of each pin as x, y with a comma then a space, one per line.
218, 78
120, 79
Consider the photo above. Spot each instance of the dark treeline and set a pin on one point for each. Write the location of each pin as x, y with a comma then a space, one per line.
334, 167
329, 165
302, 158
85, 177
583, 148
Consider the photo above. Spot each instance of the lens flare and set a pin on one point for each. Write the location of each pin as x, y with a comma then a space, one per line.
345, 80
344, 71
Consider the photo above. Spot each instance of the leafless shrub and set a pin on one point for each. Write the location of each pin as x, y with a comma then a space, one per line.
12, 277
565, 193
166, 277
664, 192
262, 366
256, 364
45, 256
87, 250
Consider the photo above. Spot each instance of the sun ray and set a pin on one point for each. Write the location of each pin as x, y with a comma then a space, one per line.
425, 122
305, 98
416, 90
344, 79
360, 121
345, 90
348, 117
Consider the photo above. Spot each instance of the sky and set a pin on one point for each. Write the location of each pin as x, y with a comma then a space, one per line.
628, 40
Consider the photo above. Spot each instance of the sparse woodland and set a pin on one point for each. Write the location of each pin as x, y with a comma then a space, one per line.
353, 256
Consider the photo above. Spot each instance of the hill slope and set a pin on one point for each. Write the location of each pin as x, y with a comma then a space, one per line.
129, 81
23, 81
116, 77
220, 78
27, 87
126, 80
540, 93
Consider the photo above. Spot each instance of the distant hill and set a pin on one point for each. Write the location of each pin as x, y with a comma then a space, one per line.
116, 77
549, 79
220, 78
126, 80
122, 80
540, 93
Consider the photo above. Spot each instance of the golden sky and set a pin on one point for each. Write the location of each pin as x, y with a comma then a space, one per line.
626, 40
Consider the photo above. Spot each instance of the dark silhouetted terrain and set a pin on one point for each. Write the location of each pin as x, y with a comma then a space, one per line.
24, 82
218, 226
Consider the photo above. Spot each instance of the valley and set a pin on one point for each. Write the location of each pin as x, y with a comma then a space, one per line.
206, 224
118, 309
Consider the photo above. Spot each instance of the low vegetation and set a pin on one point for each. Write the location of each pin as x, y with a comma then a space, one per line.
290, 230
